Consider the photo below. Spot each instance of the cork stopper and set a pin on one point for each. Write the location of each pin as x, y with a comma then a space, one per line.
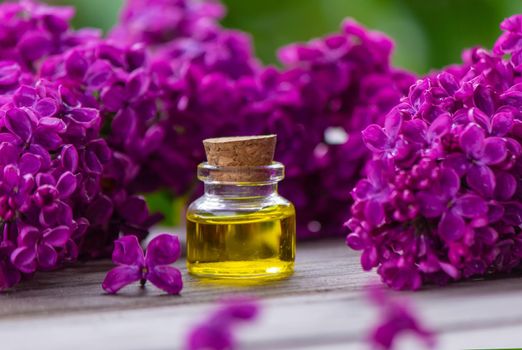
243, 152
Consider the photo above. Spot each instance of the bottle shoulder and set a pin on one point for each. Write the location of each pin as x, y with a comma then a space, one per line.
209, 207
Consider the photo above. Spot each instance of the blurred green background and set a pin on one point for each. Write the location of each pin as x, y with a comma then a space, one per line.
428, 34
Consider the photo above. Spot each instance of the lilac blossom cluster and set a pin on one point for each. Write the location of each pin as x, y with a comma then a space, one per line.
441, 201
211, 85
340, 84
63, 189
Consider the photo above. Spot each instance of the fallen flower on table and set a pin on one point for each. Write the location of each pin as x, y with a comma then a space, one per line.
396, 319
153, 266
216, 332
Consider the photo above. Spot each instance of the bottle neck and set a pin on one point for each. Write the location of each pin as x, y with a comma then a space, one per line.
240, 190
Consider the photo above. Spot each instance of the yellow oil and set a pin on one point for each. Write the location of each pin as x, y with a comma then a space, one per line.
255, 246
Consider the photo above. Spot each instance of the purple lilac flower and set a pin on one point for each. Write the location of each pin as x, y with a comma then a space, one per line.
212, 86
40, 176
154, 266
217, 331
395, 319
30, 31
157, 22
449, 207
64, 190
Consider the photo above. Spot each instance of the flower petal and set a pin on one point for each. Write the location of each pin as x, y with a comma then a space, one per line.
25, 96
501, 123
375, 138
34, 45
29, 163
69, 158
448, 183
9, 153
506, 185
76, 65
451, 226
166, 278
46, 255
29, 236
472, 140
11, 176
57, 236
414, 130
470, 206
127, 251
119, 277
494, 150
458, 162
481, 179
86, 117
24, 259
163, 250
46, 108
393, 123
19, 123
439, 127
9, 73
431, 206
66, 184
374, 213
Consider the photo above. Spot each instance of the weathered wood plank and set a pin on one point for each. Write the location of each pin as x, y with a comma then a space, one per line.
321, 307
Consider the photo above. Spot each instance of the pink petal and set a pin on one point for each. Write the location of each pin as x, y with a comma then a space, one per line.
392, 124
47, 107
501, 123
66, 184
29, 235
46, 256
19, 123
69, 158
494, 150
57, 236
374, 213
472, 140
24, 259
506, 185
458, 162
30, 163
11, 176
86, 117
470, 206
166, 278
375, 138
163, 250
451, 227
439, 127
449, 182
119, 277
430, 205
127, 251
369, 258
481, 179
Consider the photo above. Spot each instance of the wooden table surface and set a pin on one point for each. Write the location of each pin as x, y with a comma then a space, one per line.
320, 307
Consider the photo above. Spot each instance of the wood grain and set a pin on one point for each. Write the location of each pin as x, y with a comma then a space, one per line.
320, 307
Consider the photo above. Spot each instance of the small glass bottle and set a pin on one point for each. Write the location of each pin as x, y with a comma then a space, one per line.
241, 228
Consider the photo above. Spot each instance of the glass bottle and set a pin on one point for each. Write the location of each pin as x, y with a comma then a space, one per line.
241, 228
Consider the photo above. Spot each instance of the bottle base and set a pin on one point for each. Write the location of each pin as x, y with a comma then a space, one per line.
265, 270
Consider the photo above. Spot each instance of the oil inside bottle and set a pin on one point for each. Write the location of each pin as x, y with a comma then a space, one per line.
234, 245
